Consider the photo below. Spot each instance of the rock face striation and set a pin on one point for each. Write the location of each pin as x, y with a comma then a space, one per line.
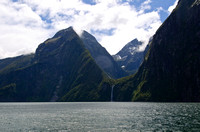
62, 69
170, 71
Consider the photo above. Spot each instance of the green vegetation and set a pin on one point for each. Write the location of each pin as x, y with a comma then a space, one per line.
38, 77
8, 92
63, 68
11, 64
170, 71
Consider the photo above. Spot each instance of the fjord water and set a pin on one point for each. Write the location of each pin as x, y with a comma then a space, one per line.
110, 116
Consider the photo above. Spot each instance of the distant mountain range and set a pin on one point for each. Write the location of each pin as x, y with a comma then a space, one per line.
69, 67
130, 57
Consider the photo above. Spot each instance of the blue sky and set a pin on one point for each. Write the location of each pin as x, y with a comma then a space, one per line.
25, 24
155, 4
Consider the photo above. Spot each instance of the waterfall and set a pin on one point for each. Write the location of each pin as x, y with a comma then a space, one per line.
54, 98
111, 96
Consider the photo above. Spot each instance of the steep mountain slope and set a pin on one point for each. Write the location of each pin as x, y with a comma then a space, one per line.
170, 71
129, 57
14, 63
61, 70
102, 57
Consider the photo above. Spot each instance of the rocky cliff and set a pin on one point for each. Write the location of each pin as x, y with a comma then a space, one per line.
170, 71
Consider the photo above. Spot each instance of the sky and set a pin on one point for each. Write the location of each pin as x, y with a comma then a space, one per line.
24, 24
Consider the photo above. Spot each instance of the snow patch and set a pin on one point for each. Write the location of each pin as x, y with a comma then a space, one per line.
118, 57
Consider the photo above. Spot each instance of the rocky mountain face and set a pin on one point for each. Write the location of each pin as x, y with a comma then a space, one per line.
62, 69
10, 64
170, 71
102, 57
129, 57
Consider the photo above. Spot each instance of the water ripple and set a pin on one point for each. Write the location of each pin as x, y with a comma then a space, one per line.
98, 117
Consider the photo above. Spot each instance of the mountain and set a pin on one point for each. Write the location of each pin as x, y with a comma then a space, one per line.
129, 57
170, 71
102, 57
61, 69
15, 63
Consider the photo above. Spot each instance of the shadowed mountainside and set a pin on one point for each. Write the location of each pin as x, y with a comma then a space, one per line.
103, 59
61, 70
170, 71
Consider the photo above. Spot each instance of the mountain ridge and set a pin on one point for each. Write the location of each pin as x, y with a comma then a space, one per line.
62, 70
170, 70
102, 57
129, 57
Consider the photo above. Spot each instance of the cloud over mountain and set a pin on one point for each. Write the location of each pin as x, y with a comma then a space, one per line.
26, 23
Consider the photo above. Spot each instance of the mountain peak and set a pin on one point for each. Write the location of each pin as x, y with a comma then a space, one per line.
130, 48
134, 41
88, 37
65, 32
101, 56
59, 41
129, 57
62, 70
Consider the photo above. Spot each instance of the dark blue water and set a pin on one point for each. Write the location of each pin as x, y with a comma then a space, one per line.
99, 117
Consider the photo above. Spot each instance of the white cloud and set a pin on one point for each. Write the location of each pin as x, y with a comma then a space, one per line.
21, 29
145, 6
171, 8
27, 23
